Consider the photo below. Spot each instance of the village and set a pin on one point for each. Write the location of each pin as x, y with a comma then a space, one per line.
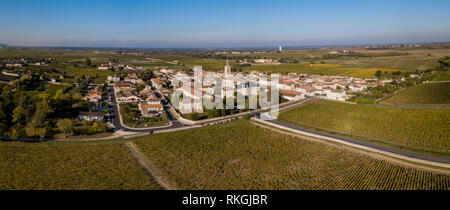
142, 96
292, 87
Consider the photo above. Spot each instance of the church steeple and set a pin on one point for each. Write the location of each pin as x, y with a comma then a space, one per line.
227, 69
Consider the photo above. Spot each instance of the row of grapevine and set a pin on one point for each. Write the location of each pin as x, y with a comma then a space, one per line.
240, 155
423, 129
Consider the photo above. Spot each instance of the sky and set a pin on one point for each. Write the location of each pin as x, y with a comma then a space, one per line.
214, 23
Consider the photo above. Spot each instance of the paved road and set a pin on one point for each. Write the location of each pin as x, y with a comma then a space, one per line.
173, 119
177, 124
367, 144
116, 121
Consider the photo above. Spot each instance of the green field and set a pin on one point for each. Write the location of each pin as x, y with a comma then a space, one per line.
417, 59
367, 72
301, 68
426, 93
74, 166
52, 88
207, 64
130, 112
239, 155
415, 129
325, 69
99, 76
444, 77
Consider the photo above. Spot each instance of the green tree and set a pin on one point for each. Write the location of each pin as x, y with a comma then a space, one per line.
65, 125
378, 74
44, 106
88, 62
18, 115
97, 128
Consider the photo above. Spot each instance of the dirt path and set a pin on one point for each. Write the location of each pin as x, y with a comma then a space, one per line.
154, 172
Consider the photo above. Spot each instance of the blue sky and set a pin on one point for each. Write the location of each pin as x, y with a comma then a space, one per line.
214, 23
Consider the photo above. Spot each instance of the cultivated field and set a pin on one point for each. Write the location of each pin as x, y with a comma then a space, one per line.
207, 64
416, 59
367, 72
426, 93
73, 166
444, 77
240, 155
415, 129
300, 68
325, 69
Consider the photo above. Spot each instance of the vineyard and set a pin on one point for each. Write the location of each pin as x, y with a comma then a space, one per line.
427, 93
239, 155
75, 166
445, 76
327, 69
420, 129
367, 72
301, 68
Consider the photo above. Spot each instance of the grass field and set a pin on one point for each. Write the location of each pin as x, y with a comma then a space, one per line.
52, 88
417, 59
444, 77
426, 93
367, 72
301, 68
207, 64
76, 166
131, 111
415, 129
240, 155
98, 75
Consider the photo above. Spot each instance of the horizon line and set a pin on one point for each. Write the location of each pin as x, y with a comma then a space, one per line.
224, 47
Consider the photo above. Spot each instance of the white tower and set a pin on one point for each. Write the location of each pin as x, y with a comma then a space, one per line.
227, 69
279, 48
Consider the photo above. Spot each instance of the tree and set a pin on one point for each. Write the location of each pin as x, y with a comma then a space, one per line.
65, 125
88, 62
18, 115
378, 74
97, 128
3, 128
37, 127
44, 105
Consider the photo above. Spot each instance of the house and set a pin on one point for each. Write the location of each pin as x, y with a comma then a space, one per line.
95, 96
151, 110
156, 83
336, 95
19, 65
355, 87
127, 97
263, 61
113, 78
147, 91
7, 78
104, 67
122, 86
133, 78
292, 95
152, 101
91, 116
